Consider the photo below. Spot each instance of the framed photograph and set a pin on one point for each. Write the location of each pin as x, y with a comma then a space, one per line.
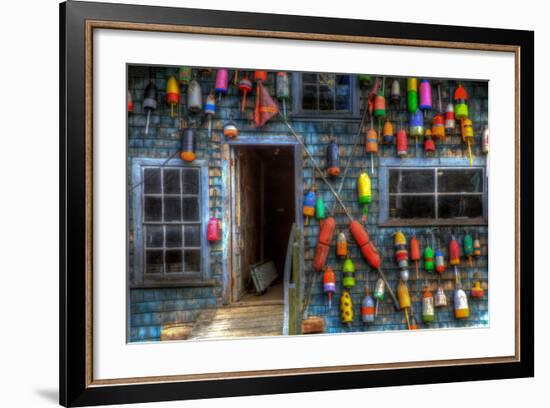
256, 204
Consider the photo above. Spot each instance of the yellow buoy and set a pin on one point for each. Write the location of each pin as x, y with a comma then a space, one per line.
346, 308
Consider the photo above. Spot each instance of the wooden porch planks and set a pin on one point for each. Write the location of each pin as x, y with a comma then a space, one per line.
239, 321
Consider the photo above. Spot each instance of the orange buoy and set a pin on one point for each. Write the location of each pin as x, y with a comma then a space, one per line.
326, 235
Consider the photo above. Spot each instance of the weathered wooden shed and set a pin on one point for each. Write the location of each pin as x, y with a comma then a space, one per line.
181, 285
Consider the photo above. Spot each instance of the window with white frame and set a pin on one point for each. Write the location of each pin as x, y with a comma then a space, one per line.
169, 241
430, 195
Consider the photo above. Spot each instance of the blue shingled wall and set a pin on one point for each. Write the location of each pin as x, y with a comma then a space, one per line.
151, 308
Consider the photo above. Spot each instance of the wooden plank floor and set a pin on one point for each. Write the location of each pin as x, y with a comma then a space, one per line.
240, 320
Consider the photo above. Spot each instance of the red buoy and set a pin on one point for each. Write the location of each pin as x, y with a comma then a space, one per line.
326, 235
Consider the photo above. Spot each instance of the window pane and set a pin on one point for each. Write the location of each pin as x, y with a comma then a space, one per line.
412, 181
172, 209
174, 261
309, 97
412, 206
460, 180
343, 98
192, 235
342, 79
151, 181
152, 209
190, 181
153, 261
190, 209
327, 80
154, 236
459, 206
171, 181
309, 78
173, 236
192, 260
326, 98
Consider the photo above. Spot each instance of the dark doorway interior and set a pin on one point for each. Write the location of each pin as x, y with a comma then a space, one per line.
265, 209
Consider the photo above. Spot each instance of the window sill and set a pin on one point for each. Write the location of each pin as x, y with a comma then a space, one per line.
432, 223
191, 283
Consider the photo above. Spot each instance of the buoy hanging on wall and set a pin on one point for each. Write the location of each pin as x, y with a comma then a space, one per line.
429, 259
425, 95
468, 136
402, 143
221, 84
194, 97
245, 86
333, 162
380, 102
378, 294
326, 234
404, 300
364, 195
438, 127
371, 144
329, 284
367, 307
283, 90
461, 107
150, 104
429, 144
341, 246
320, 213
428, 307
401, 255
188, 145
309, 204
184, 75
388, 132
346, 308
348, 269
412, 95
415, 254
395, 95
416, 124
214, 226
210, 110
440, 299
230, 129
172, 93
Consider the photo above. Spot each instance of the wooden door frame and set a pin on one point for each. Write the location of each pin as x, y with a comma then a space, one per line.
228, 194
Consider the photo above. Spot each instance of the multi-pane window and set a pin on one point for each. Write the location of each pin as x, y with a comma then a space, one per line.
435, 194
171, 222
325, 94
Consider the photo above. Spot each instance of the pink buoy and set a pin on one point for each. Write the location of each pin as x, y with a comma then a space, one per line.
425, 95
222, 79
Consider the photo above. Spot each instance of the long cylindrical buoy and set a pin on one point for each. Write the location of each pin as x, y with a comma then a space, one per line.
415, 254
326, 235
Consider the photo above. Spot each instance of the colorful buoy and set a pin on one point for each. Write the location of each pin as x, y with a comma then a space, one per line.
348, 269
341, 246
425, 95
333, 162
364, 194
329, 284
460, 107
172, 93
187, 153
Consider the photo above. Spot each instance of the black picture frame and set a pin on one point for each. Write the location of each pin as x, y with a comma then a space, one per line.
74, 388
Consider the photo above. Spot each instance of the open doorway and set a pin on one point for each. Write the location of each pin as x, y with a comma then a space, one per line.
264, 211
